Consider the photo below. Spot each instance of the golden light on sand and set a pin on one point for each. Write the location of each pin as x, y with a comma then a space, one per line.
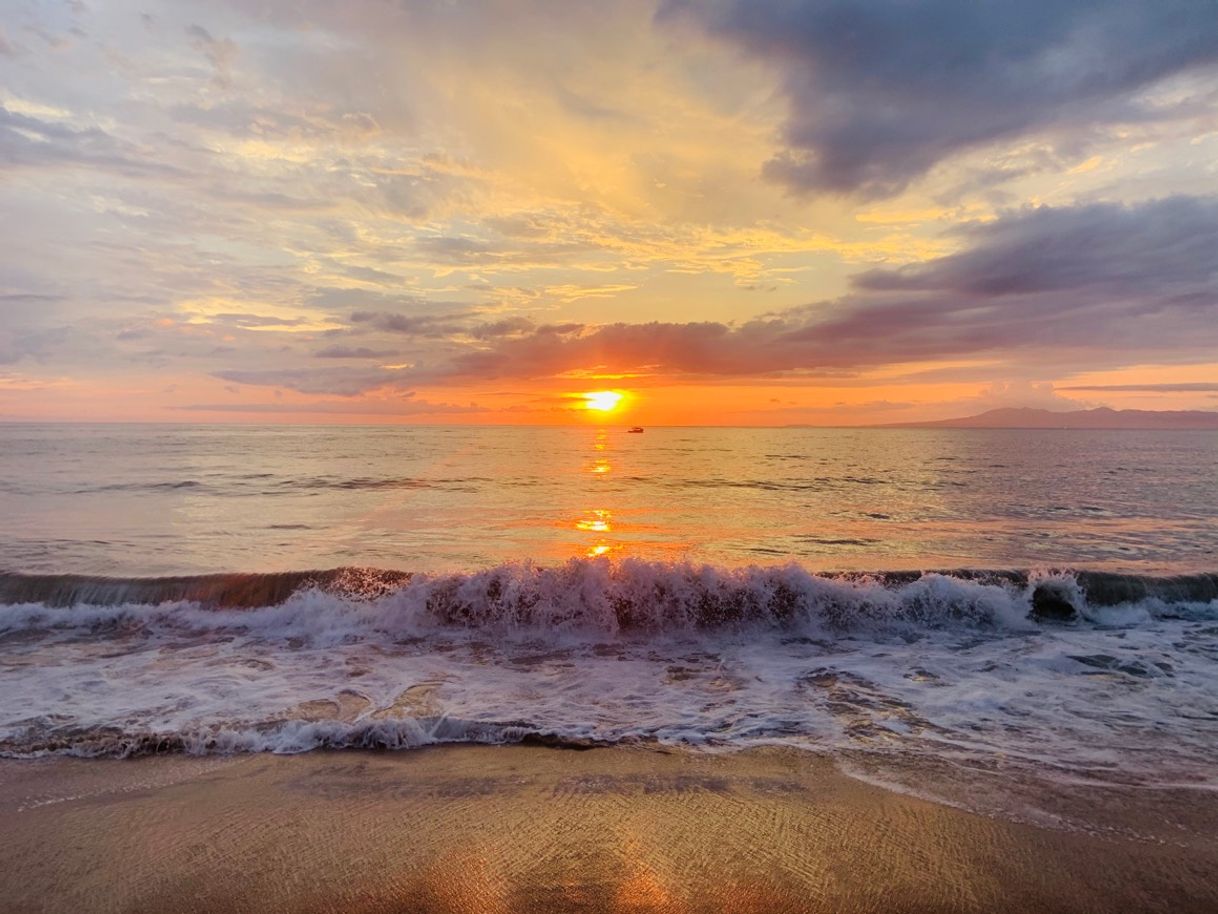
602, 400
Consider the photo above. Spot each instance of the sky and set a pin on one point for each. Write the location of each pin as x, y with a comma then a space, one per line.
759, 212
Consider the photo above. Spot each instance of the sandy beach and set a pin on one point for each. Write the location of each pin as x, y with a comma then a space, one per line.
499, 829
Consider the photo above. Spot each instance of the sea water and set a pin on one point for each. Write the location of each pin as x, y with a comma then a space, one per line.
866, 593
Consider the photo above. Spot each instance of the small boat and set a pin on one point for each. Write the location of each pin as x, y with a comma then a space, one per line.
635, 430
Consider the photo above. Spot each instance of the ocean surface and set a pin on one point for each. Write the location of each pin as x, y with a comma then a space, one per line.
1026, 601
158, 500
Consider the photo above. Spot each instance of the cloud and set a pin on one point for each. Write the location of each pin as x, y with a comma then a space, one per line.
1025, 394
404, 405
879, 92
341, 382
28, 141
240, 118
458, 251
695, 348
1100, 282
1122, 250
1186, 387
220, 52
588, 201
17, 344
1055, 288
353, 352
425, 325
508, 326
442, 325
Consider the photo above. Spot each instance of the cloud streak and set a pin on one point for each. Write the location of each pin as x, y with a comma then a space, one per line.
339, 382
404, 405
353, 352
1186, 387
1051, 285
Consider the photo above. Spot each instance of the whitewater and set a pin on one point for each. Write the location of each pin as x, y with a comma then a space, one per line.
1100, 676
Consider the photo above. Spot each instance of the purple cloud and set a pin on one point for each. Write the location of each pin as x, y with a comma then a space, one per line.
879, 92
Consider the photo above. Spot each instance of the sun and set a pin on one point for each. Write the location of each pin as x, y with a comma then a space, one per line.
602, 400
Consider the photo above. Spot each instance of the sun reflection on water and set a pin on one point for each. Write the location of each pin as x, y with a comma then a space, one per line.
598, 520
598, 523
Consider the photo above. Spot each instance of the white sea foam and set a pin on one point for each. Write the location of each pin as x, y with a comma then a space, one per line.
590, 597
715, 658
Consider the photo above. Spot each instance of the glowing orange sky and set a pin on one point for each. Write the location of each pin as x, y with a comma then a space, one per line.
416, 213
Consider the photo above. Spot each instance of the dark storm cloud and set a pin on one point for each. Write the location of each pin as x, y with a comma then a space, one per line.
880, 91
1054, 287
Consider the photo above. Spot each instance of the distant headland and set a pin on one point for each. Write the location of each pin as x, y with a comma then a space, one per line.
1101, 418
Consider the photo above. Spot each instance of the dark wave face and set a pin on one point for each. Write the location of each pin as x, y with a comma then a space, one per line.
650, 596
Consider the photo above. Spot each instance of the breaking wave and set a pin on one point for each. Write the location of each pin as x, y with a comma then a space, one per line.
595, 596
974, 666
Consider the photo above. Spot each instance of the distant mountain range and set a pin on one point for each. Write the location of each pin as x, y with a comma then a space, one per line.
1079, 418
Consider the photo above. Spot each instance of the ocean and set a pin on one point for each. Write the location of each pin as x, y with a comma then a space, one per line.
1036, 602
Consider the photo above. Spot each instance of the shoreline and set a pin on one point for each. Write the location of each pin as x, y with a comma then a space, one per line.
520, 828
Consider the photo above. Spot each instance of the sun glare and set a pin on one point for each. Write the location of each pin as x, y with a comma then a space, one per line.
602, 400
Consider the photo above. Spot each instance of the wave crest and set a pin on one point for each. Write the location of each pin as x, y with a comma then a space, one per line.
590, 595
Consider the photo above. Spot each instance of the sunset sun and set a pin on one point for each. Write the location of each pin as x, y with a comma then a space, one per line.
602, 400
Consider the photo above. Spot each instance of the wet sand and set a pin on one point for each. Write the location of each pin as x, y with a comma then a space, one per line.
526, 829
